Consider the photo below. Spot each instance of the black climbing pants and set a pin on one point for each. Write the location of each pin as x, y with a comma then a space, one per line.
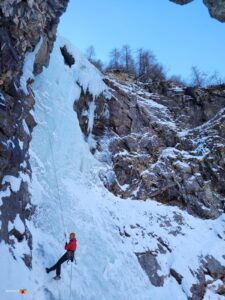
57, 266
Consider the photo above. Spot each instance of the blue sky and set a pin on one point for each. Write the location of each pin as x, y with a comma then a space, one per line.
180, 36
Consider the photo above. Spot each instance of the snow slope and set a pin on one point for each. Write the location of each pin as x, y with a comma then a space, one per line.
109, 230
86, 204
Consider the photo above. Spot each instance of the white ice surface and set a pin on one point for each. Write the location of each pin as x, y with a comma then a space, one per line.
28, 67
19, 224
14, 182
107, 267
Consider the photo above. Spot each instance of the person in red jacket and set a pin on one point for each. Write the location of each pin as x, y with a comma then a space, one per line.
69, 255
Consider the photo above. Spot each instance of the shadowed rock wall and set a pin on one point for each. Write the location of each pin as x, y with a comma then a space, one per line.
216, 7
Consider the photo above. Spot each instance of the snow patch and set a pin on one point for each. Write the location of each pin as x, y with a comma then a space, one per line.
84, 72
18, 224
20, 144
26, 127
14, 182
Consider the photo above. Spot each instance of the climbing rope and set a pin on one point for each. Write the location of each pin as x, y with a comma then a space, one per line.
56, 179
71, 273
59, 197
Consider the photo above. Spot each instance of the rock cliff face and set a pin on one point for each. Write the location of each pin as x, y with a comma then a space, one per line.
161, 141
24, 27
216, 7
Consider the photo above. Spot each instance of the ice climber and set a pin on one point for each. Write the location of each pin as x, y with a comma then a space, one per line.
69, 255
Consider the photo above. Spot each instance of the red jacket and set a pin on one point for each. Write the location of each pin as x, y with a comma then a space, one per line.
71, 246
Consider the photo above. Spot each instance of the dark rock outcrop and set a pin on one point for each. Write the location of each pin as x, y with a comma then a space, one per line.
216, 7
149, 263
68, 58
176, 275
23, 26
211, 267
182, 2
